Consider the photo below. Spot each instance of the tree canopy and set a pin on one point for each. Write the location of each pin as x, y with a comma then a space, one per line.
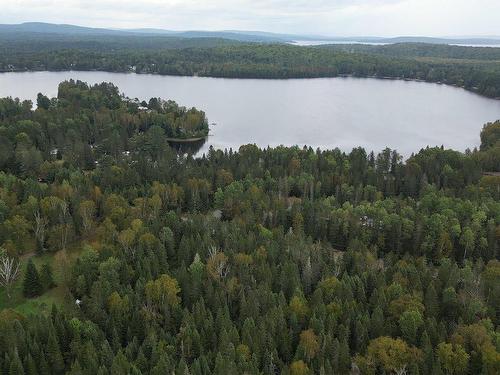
251, 261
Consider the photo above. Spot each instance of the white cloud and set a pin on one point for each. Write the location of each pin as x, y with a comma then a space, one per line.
333, 17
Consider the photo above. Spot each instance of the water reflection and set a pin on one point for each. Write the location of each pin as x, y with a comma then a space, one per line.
323, 112
188, 147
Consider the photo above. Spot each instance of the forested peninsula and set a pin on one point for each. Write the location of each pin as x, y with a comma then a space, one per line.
121, 256
475, 69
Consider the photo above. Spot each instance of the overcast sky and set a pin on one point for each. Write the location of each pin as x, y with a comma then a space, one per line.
327, 17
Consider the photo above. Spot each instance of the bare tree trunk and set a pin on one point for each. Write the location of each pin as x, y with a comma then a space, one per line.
9, 271
40, 226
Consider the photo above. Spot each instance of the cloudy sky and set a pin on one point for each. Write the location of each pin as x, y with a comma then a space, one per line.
327, 17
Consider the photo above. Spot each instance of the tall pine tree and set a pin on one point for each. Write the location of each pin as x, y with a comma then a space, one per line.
32, 285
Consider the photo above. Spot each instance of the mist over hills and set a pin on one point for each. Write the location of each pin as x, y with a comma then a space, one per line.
37, 28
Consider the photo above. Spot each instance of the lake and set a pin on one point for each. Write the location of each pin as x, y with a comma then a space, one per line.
322, 42
320, 112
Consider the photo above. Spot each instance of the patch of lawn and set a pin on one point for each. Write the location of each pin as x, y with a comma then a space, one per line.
41, 304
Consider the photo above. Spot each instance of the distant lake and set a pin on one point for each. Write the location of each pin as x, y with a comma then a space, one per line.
320, 112
477, 45
321, 42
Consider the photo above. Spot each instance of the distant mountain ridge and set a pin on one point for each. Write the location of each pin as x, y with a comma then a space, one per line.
49, 28
237, 35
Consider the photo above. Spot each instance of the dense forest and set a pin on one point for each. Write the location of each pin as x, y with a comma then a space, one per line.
120, 256
476, 69
423, 50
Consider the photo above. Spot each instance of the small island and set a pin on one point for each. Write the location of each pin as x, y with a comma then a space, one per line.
157, 120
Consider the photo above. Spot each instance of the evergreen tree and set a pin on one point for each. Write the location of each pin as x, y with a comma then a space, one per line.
53, 353
377, 323
16, 367
161, 367
32, 286
431, 302
30, 366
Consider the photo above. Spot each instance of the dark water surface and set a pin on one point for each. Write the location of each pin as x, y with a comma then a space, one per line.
322, 112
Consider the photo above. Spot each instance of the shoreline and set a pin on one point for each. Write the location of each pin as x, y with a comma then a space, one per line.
186, 140
196, 75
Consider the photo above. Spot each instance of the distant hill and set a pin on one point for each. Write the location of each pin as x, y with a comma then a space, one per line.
63, 29
251, 36
240, 36
31, 28
50, 28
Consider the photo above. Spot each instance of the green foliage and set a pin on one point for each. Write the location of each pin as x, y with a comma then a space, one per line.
32, 286
46, 277
277, 260
490, 135
410, 322
473, 68
392, 355
453, 358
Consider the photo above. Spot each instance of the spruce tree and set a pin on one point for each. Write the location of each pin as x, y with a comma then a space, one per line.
344, 357
161, 367
16, 366
53, 353
32, 285
30, 366
431, 302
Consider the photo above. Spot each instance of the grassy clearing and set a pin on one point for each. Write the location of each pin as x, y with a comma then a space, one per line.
59, 261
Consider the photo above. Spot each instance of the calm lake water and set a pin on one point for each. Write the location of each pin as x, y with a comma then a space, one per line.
322, 112
322, 42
